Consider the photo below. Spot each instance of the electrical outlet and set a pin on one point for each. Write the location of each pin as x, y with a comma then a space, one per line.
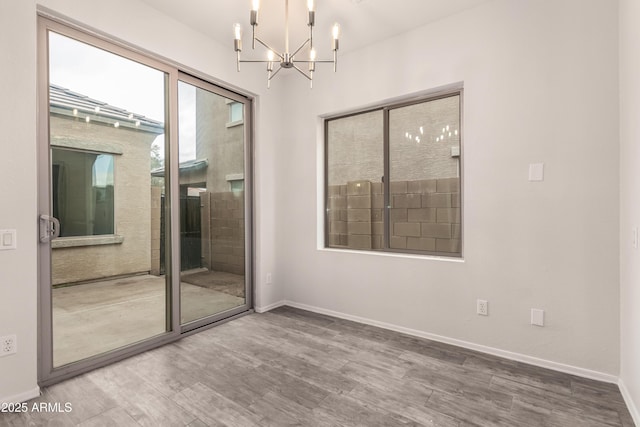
482, 307
8, 345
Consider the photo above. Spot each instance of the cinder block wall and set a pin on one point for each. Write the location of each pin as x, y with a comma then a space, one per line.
227, 231
424, 215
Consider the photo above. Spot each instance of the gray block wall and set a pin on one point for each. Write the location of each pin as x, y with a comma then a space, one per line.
424, 215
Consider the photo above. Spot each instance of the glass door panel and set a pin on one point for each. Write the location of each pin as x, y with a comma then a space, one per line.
212, 202
106, 151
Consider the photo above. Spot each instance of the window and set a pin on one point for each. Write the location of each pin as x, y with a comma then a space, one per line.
236, 182
236, 111
393, 178
82, 192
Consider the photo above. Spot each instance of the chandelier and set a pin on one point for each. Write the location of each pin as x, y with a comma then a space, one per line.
287, 59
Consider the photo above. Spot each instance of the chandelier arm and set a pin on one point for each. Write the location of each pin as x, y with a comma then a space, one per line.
270, 48
275, 73
300, 48
301, 72
253, 37
256, 60
306, 61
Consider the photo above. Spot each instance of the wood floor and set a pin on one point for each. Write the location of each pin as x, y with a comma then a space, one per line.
291, 367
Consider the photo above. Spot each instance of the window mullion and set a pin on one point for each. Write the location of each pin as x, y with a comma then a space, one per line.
386, 185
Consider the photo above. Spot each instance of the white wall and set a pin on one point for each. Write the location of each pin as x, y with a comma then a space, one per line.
148, 29
541, 82
630, 203
18, 273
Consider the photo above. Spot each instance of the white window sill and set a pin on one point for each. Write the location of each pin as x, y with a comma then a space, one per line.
234, 124
395, 254
74, 242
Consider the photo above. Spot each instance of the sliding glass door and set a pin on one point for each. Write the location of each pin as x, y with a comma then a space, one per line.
143, 174
213, 214
106, 128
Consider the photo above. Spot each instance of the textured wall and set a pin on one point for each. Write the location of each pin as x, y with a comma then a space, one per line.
221, 145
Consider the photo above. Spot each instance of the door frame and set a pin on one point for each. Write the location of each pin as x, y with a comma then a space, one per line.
47, 374
248, 198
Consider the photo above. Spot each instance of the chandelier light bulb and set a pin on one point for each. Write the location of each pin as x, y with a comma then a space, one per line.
311, 4
255, 5
237, 31
271, 56
335, 31
313, 54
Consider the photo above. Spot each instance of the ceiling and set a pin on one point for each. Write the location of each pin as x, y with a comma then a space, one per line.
362, 21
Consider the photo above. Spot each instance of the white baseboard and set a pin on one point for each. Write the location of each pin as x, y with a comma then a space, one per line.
21, 397
269, 307
631, 406
561, 367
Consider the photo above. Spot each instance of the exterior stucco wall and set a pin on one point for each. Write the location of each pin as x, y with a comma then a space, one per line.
132, 212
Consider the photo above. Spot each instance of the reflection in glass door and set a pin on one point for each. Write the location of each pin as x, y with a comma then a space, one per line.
212, 200
106, 148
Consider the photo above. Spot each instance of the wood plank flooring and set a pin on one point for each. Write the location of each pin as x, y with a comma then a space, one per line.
291, 367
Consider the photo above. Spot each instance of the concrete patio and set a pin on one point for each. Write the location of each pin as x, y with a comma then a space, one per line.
92, 318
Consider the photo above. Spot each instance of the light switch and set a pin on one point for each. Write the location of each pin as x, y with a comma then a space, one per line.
537, 317
7, 239
536, 172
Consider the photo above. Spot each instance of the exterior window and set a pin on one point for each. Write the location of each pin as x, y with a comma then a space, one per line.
397, 187
235, 113
236, 186
82, 192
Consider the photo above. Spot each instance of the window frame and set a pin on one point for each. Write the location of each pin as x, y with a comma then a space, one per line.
92, 239
231, 123
386, 107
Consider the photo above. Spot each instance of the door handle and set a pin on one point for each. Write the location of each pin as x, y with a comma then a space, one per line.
49, 228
